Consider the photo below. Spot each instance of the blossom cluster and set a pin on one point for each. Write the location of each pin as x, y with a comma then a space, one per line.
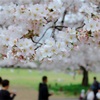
47, 30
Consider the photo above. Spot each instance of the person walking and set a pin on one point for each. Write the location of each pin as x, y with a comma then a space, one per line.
43, 89
4, 93
95, 87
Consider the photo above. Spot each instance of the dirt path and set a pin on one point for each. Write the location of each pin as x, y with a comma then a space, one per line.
25, 94
31, 94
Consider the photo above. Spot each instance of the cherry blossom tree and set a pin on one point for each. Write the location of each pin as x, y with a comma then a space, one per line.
66, 31
87, 58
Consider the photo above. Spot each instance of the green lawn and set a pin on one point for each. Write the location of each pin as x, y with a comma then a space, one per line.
58, 81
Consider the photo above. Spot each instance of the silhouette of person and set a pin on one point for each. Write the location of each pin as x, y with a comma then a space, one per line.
95, 87
4, 93
0, 83
43, 89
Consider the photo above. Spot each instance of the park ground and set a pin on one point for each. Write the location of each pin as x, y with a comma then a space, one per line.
64, 85
31, 94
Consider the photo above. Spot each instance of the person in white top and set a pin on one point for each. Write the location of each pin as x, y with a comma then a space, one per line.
82, 95
0, 83
90, 95
98, 94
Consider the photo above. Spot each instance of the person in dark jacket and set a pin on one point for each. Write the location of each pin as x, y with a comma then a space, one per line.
95, 87
43, 90
4, 93
0, 80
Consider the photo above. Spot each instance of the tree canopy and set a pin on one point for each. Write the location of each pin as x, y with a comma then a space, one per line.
64, 31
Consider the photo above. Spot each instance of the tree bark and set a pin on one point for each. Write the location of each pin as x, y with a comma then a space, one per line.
85, 80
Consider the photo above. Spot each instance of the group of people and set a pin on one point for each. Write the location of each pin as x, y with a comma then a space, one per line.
6, 95
93, 92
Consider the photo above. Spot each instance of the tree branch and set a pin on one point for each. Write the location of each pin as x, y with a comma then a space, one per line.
64, 14
35, 42
80, 26
38, 47
43, 35
54, 27
53, 32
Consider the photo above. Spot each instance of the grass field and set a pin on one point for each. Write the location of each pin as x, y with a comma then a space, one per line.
58, 81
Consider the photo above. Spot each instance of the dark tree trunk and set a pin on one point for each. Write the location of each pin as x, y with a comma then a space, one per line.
85, 79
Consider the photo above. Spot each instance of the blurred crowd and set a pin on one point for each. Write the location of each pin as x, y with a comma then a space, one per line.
93, 92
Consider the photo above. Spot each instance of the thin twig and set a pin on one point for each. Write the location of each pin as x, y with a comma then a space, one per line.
48, 21
54, 27
64, 14
38, 47
43, 34
57, 27
35, 42
53, 32
80, 26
